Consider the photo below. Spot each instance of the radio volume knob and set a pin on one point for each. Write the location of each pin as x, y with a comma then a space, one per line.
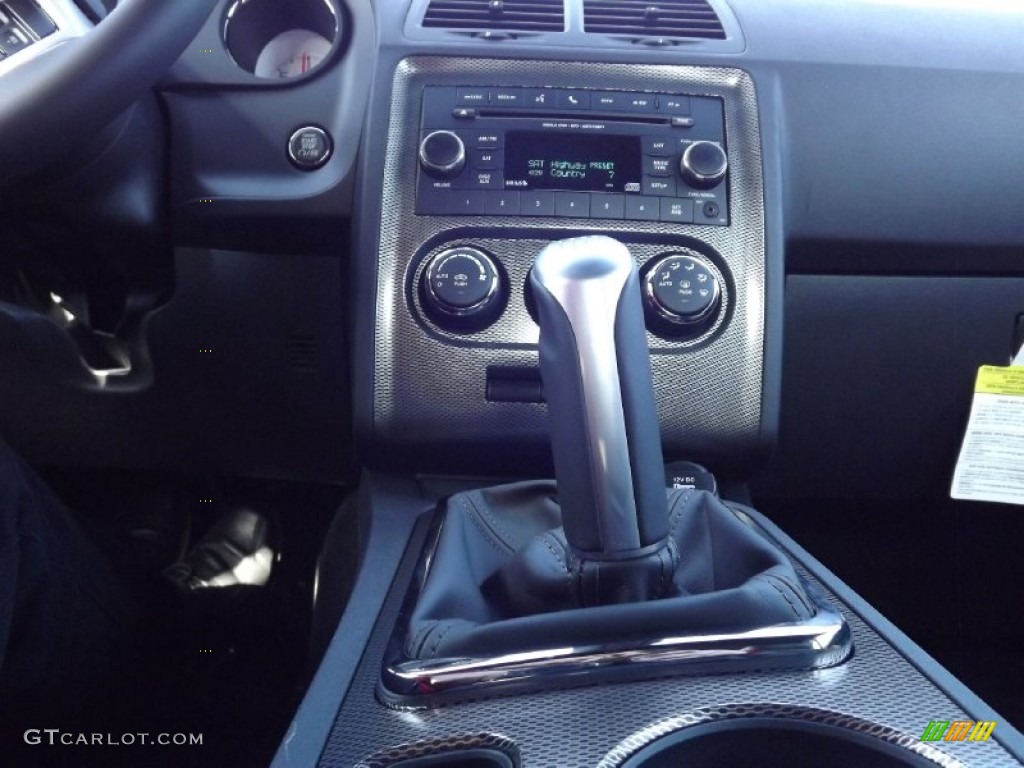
703, 164
442, 154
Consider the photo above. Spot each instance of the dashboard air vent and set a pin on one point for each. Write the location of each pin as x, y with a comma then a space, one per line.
496, 15
653, 19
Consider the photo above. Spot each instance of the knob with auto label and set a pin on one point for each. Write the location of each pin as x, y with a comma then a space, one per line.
703, 164
682, 295
462, 288
442, 154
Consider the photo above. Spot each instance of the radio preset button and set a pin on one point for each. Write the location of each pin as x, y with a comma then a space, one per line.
467, 202
501, 203
537, 203
607, 206
572, 204
639, 208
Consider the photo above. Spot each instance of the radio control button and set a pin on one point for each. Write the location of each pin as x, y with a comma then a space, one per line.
658, 147
572, 204
501, 203
683, 122
471, 97
485, 140
467, 202
640, 102
658, 166
639, 208
607, 206
464, 113
507, 97
435, 202
482, 180
677, 211
540, 98
540, 203
674, 105
574, 99
660, 187
609, 101
486, 160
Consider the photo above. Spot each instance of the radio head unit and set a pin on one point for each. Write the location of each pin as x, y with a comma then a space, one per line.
574, 153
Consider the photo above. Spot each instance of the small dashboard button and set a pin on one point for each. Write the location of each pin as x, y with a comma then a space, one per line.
660, 187
609, 101
485, 140
640, 208
486, 159
540, 203
674, 105
659, 166
607, 206
677, 211
471, 97
657, 146
505, 203
640, 102
465, 202
309, 147
507, 97
572, 204
574, 99
540, 98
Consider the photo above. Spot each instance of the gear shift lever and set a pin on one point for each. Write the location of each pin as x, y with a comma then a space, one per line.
597, 382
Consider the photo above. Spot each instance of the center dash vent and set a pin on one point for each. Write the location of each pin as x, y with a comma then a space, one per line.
496, 15
653, 19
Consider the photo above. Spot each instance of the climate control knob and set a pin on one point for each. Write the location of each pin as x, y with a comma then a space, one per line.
462, 288
682, 295
703, 164
442, 154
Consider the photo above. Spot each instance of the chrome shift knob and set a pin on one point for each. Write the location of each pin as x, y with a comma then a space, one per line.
597, 381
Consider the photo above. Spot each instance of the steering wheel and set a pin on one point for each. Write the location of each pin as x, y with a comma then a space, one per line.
76, 80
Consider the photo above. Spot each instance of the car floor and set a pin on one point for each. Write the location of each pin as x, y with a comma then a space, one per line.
228, 663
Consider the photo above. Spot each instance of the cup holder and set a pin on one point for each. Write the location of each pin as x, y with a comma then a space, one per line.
281, 39
776, 743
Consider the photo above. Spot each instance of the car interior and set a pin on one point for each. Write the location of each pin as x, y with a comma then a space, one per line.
500, 383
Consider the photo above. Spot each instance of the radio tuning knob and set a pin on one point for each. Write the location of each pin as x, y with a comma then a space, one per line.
442, 154
703, 164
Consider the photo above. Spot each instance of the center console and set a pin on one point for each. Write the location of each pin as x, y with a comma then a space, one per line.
606, 621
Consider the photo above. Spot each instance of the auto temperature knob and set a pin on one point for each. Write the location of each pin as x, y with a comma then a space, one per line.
682, 295
442, 154
703, 164
461, 288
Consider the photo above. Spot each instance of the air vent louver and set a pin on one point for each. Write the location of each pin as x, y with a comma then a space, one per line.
653, 18
501, 15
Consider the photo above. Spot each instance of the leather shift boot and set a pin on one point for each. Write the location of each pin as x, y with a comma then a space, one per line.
503, 579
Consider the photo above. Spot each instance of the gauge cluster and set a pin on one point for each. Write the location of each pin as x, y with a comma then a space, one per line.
282, 39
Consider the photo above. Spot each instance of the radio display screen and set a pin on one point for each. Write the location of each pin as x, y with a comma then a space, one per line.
586, 162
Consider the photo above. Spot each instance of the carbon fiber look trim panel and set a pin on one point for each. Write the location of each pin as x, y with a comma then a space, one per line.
877, 693
430, 385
